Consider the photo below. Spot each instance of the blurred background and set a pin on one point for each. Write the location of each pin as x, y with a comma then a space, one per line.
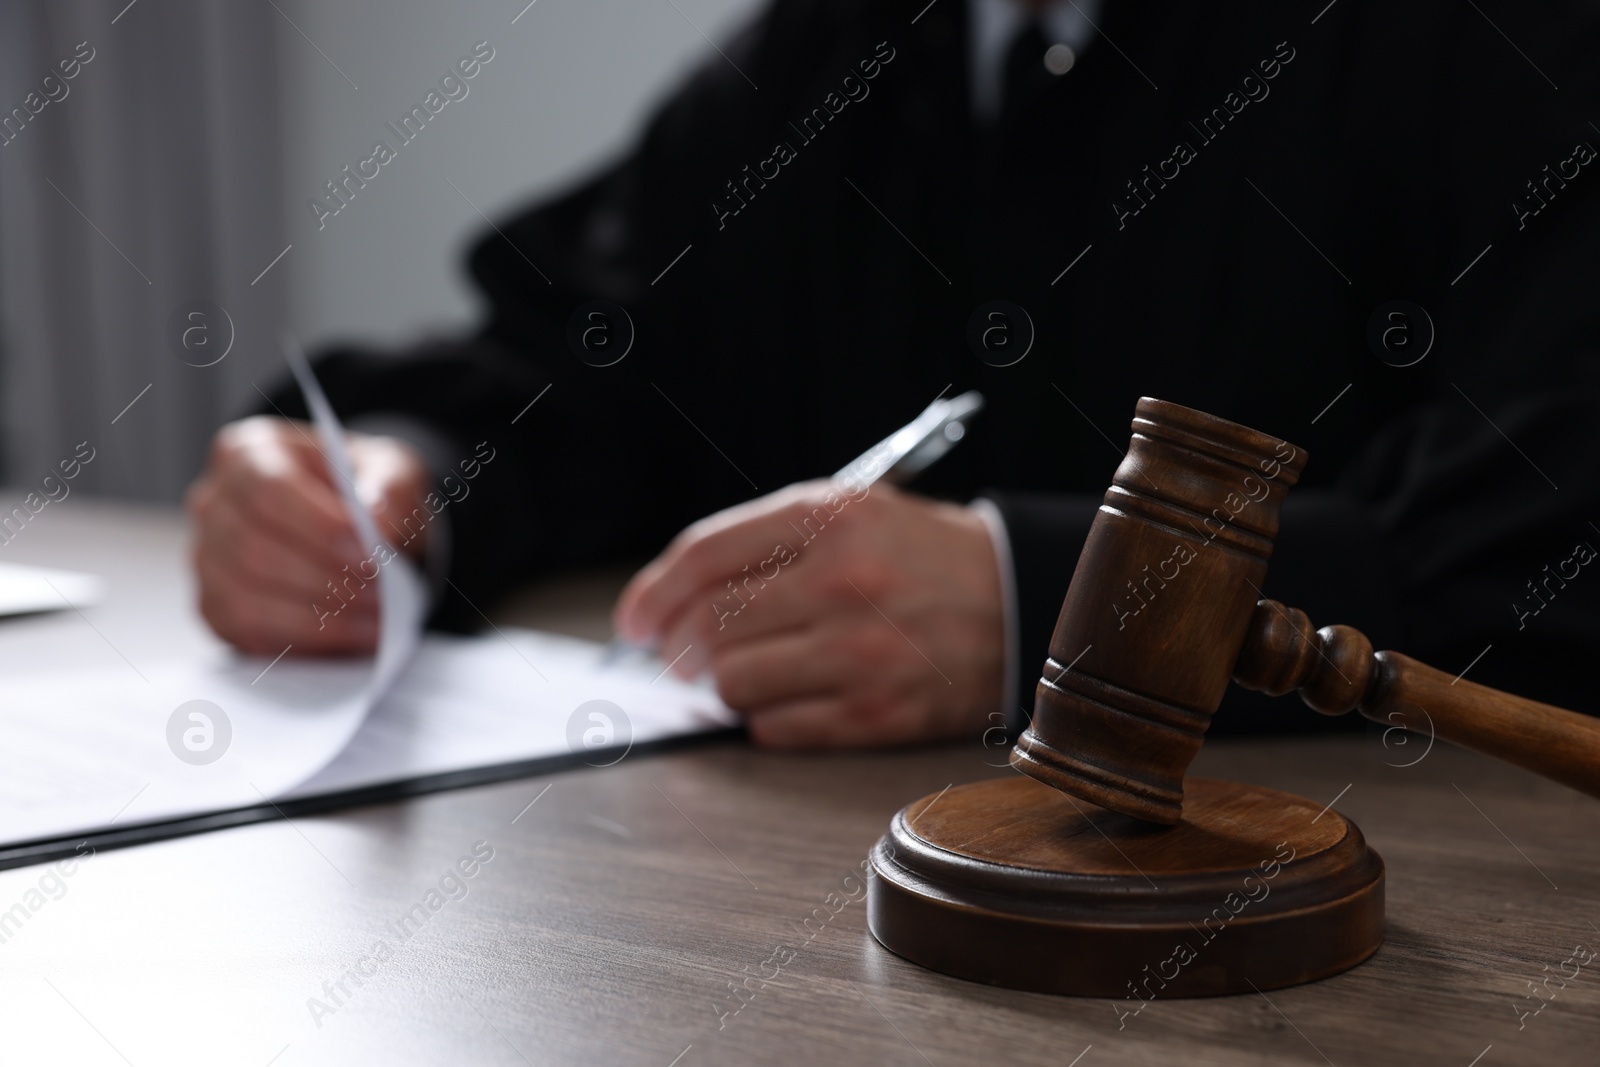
175, 170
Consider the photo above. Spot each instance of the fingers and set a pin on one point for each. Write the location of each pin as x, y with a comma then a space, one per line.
815, 723
778, 669
263, 621
713, 550
391, 480
270, 471
713, 619
887, 630
832, 722
231, 542
275, 549
828, 686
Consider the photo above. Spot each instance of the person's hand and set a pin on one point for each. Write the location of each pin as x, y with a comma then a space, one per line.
883, 628
271, 532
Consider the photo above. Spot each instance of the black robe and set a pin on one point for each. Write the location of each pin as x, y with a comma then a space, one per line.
806, 227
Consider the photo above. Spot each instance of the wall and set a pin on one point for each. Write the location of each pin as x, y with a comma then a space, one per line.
182, 161
570, 83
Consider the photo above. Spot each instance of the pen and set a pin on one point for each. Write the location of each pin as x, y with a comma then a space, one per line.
896, 459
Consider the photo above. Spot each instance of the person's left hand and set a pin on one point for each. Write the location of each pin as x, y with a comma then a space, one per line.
832, 621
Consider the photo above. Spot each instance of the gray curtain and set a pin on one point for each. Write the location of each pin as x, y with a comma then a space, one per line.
167, 144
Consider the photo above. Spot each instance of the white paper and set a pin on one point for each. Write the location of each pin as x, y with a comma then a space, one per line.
83, 752
514, 695
27, 589
77, 752
402, 596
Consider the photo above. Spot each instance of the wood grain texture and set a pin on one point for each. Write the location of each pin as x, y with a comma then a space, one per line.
1161, 598
1013, 883
607, 926
1335, 671
1163, 610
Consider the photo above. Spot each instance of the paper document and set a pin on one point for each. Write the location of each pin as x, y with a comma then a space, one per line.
135, 746
511, 696
403, 598
83, 754
28, 589
140, 745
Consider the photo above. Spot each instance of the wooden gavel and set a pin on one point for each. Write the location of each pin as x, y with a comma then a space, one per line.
1164, 608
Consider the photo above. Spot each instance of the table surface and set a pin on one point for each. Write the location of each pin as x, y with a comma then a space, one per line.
617, 909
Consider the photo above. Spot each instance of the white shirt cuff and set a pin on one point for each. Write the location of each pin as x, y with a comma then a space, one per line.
1016, 714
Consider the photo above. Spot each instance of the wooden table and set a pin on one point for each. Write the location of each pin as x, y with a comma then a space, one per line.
618, 907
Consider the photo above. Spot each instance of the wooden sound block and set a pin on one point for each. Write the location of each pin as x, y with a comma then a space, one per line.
1013, 883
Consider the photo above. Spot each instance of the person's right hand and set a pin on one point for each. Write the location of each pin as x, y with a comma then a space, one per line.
271, 532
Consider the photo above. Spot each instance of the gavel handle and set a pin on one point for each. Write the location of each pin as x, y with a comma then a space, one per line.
1336, 671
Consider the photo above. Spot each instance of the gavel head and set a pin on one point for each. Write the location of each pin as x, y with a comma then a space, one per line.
1158, 610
